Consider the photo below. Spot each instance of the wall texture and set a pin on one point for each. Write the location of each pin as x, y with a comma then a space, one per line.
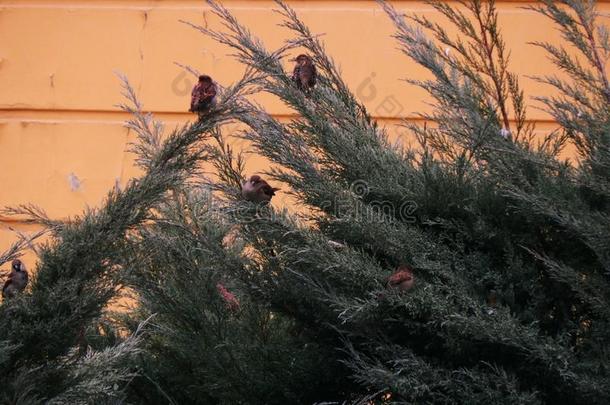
62, 145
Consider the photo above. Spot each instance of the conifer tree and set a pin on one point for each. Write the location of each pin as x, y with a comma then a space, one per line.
56, 343
242, 302
506, 244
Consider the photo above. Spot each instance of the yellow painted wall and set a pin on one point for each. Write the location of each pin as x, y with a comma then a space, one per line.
62, 145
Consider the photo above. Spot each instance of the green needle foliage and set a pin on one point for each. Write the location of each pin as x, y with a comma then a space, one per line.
506, 244
244, 303
79, 272
200, 347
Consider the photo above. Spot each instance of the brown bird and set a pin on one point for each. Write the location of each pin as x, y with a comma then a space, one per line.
229, 298
257, 190
17, 280
203, 95
402, 279
304, 74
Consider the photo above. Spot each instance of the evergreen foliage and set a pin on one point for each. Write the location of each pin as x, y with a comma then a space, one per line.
43, 332
245, 303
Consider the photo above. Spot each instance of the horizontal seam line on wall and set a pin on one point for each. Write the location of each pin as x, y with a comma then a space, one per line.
29, 115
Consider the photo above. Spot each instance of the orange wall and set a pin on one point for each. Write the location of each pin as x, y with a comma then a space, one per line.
62, 145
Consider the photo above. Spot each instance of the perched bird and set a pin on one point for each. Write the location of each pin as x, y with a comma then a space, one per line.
17, 280
229, 298
402, 279
203, 95
304, 74
257, 190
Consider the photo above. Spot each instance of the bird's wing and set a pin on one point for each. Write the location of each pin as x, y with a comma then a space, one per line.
314, 76
195, 96
296, 76
196, 90
211, 90
268, 190
8, 282
208, 93
308, 76
304, 76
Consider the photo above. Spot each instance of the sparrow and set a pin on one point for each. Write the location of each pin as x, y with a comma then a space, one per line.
304, 74
229, 298
203, 95
17, 280
257, 190
402, 279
